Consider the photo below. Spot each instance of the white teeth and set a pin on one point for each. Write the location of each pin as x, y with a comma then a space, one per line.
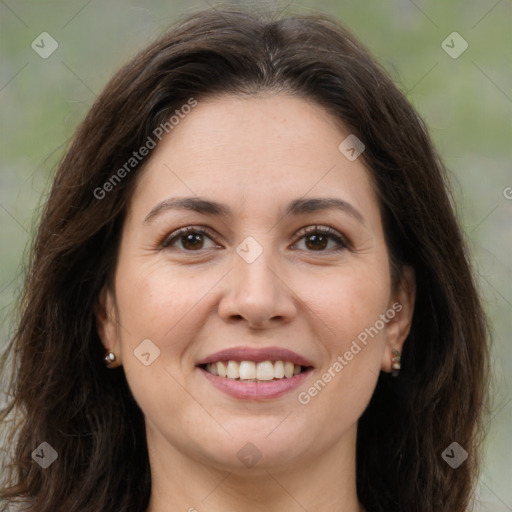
249, 370
233, 370
288, 369
279, 369
221, 369
265, 370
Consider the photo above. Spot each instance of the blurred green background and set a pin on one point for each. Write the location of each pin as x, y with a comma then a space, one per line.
466, 102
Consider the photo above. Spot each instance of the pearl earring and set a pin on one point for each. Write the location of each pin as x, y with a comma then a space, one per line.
110, 358
395, 365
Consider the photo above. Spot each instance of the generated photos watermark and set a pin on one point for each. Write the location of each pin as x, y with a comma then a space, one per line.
45, 455
454, 455
147, 352
145, 149
249, 455
304, 397
351, 147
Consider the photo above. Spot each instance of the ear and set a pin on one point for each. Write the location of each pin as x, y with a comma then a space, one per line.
106, 323
399, 325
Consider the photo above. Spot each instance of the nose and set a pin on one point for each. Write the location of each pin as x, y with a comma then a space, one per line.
257, 293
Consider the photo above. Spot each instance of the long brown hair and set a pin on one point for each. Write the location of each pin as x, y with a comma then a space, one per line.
61, 393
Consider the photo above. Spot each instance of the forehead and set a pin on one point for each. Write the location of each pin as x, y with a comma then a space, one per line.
255, 129
255, 150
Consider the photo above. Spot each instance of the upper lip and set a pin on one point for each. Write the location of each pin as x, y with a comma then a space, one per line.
257, 355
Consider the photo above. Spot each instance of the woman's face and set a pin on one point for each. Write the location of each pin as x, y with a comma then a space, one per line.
263, 293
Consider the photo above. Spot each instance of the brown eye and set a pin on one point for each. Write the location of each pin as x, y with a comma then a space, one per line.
317, 238
191, 239
318, 241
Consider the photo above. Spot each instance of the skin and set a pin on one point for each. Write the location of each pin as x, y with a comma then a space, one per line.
255, 154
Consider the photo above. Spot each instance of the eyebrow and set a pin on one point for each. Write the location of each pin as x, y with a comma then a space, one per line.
213, 208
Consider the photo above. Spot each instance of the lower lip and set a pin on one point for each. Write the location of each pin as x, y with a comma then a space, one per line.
256, 390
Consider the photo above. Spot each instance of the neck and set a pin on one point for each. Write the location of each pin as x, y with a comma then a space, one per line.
320, 482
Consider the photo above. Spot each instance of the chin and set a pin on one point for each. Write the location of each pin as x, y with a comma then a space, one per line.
256, 445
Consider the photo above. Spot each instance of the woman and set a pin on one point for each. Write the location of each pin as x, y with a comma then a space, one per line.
248, 291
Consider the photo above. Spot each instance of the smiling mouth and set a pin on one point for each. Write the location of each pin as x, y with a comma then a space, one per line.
251, 371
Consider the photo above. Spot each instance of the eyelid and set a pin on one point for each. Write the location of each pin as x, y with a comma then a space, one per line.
340, 239
168, 239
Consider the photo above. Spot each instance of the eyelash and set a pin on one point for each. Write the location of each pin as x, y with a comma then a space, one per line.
324, 230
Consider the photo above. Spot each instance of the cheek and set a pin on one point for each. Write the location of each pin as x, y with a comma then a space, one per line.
348, 302
154, 301
349, 306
